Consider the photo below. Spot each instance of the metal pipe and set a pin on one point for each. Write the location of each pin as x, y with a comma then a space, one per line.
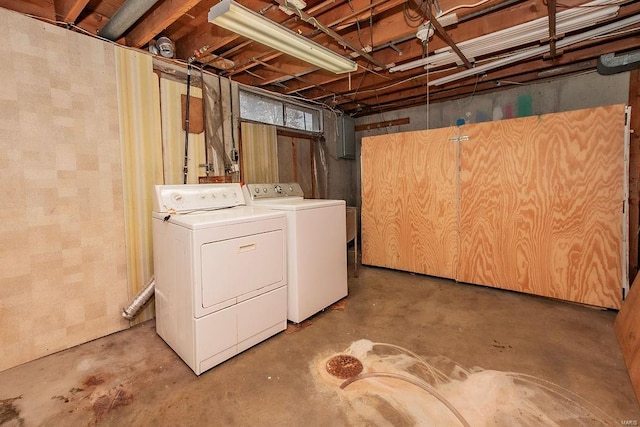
186, 124
132, 311
233, 136
125, 17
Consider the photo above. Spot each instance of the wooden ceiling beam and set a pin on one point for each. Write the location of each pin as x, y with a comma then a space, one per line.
360, 11
190, 23
341, 82
69, 10
158, 19
275, 67
205, 34
283, 66
448, 40
335, 14
36, 8
420, 97
412, 49
536, 66
251, 63
92, 22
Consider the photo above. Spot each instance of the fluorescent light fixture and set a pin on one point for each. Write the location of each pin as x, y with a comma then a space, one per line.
526, 33
532, 52
237, 18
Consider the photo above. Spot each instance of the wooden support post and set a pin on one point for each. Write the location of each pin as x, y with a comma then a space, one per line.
551, 7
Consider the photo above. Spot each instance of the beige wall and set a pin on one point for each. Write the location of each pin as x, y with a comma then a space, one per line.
63, 270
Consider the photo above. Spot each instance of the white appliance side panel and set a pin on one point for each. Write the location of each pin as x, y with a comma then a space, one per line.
173, 290
261, 314
216, 333
320, 257
231, 268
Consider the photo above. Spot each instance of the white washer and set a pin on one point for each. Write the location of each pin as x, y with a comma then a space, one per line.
220, 272
316, 245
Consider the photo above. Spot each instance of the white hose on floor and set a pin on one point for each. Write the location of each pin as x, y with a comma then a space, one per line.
423, 385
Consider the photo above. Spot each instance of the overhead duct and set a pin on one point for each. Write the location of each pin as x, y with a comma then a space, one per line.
125, 17
612, 64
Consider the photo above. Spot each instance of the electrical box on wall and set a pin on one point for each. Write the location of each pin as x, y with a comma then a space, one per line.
346, 137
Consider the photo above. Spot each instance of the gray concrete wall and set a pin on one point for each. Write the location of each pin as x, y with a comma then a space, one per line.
336, 174
571, 93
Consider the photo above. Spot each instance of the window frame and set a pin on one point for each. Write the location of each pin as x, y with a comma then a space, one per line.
285, 104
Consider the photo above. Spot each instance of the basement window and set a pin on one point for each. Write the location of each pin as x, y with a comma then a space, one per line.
302, 118
265, 109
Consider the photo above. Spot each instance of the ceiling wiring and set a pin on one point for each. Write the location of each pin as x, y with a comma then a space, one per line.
462, 6
364, 27
374, 72
617, 33
358, 26
420, 13
313, 21
587, 6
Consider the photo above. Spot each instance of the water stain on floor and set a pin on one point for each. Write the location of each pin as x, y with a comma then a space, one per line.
399, 387
9, 413
112, 399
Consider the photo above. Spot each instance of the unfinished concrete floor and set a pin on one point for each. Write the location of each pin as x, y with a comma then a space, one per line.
496, 357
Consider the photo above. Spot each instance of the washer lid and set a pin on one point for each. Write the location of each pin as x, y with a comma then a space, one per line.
297, 203
206, 219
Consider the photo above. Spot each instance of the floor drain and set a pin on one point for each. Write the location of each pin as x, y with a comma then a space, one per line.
344, 366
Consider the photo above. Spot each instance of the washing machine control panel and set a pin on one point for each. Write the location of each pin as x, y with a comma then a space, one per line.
196, 197
276, 189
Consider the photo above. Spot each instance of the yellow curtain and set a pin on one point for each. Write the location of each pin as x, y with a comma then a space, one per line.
173, 136
141, 141
259, 153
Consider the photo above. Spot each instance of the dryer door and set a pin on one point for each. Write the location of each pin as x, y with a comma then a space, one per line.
235, 267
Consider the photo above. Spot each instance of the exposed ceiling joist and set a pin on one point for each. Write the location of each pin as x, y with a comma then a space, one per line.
448, 40
159, 19
328, 31
380, 30
69, 10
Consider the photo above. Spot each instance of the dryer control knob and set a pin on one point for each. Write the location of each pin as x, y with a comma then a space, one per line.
257, 190
278, 189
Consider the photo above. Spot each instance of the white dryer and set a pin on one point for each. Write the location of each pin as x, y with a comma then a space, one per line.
220, 271
316, 246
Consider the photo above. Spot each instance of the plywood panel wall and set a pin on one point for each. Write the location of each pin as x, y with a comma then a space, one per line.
409, 216
541, 201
